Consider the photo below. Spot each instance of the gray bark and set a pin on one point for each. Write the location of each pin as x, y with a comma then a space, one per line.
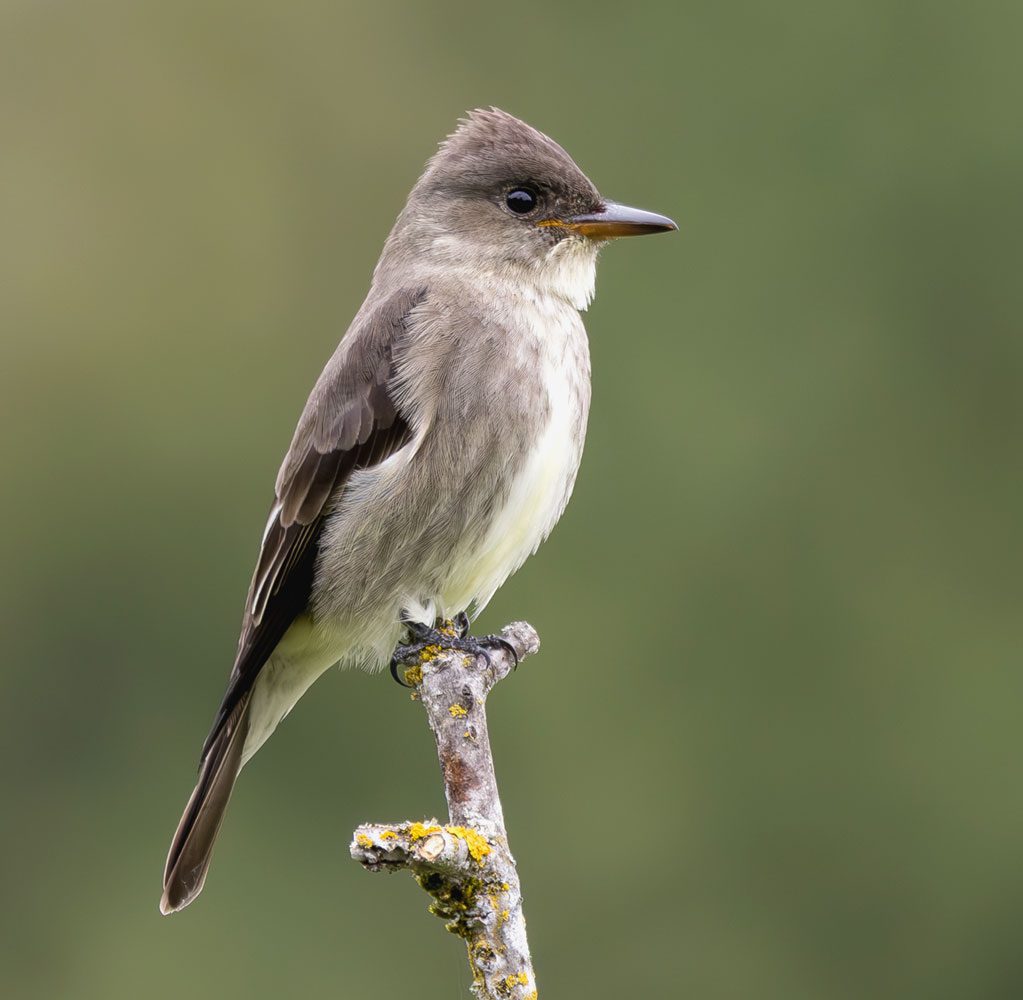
464, 864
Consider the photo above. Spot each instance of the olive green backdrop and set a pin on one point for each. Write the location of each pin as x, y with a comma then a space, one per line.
772, 745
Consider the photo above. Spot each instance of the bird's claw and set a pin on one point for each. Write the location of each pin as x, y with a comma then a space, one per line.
490, 642
452, 634
483, 643
399, 657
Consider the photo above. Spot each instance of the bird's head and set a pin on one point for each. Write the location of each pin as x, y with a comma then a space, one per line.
503, 198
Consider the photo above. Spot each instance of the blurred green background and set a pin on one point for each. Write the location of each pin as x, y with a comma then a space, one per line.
771, 747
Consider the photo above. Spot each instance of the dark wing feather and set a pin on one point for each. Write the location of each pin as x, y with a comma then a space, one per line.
350, 422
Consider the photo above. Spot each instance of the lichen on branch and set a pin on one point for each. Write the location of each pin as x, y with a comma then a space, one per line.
464, 865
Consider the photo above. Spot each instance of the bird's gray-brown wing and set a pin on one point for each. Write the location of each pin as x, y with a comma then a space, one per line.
350, 422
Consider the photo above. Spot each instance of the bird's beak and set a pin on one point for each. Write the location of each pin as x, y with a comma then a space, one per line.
614, 220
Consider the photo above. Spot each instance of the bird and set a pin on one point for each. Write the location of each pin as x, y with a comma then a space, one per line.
437, 449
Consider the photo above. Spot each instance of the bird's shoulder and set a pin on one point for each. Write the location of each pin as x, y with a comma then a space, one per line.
352, 395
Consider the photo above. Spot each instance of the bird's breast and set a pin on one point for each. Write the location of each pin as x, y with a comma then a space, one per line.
553, 338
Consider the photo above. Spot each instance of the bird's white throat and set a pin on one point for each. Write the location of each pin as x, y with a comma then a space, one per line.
569, 271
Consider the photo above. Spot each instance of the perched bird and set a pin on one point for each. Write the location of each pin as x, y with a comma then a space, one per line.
438, 447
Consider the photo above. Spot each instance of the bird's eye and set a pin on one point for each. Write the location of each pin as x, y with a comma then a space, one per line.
521, 200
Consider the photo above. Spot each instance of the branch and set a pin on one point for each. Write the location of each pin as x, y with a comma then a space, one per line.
465, 865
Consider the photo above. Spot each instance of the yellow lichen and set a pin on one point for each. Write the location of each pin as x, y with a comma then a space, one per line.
478, 846
363, 841
414, 676
428, 653
495, 902
388, 835
417, 831
453, 899
481, 954
507, 984
457, 711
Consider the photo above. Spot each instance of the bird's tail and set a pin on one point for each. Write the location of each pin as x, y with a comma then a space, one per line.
192, 846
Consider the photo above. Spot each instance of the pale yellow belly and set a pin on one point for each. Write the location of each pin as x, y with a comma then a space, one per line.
534, 505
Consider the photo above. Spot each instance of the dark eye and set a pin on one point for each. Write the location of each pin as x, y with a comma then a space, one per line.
521, 200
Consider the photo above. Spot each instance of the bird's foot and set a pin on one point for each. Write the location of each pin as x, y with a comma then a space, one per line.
428, 643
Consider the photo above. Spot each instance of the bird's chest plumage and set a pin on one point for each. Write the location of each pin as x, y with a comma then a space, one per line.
549, 357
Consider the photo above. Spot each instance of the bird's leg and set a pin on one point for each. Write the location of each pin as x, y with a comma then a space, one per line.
446, 633
424, 643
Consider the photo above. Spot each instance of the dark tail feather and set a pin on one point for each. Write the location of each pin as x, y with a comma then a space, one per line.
192, 846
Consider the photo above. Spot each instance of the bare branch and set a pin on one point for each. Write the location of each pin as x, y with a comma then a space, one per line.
465, 864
